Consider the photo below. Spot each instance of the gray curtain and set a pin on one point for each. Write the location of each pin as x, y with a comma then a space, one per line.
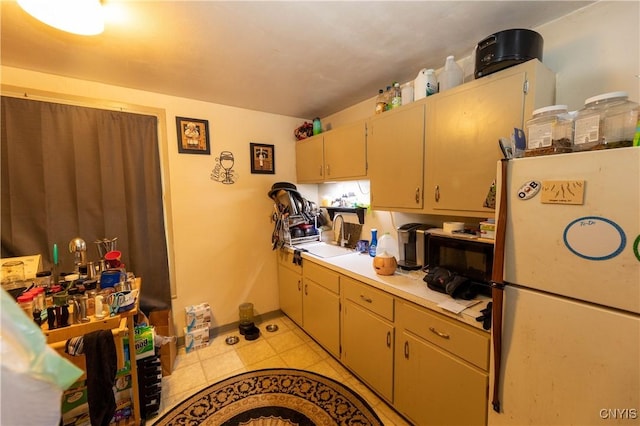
70, 171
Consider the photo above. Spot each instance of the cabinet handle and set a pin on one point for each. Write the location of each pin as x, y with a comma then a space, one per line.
299, 285
437, 193
320, 170
418, 195
306, 289
328, 170
439, 333
406, 349
388, 339
366, 299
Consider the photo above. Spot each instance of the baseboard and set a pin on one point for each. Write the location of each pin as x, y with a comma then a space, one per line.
223, 329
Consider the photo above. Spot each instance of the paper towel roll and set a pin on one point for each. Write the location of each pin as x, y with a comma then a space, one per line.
449, 227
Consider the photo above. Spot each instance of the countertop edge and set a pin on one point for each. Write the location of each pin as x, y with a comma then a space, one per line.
407, 286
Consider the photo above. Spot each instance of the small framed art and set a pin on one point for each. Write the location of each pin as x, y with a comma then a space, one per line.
193, 136
263, 159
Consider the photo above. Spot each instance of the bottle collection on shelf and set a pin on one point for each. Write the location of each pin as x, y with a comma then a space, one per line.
425, 84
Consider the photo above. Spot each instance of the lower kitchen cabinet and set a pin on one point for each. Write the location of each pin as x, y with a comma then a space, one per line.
368, 335
321, 305
437, 377
290, 286
431, 368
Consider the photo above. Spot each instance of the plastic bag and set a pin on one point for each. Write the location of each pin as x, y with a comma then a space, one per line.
24, 350
33, 374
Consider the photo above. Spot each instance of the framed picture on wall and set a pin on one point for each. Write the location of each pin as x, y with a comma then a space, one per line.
263, 158
193, 136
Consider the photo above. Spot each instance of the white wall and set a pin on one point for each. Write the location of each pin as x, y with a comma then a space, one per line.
594, 50
221, 233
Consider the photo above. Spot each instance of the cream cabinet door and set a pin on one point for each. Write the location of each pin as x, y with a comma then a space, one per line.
321, 315
395, 151
463, 129
367, 347
290, 293
432, 387
345, 152
310, 160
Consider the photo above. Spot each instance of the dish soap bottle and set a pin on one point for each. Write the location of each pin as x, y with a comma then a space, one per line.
374, 242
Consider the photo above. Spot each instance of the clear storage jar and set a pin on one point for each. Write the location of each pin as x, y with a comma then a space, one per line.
549, 131
606, 121
44, 279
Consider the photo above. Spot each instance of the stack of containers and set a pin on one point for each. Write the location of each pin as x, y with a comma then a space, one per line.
149, 386
488, 229
198, 320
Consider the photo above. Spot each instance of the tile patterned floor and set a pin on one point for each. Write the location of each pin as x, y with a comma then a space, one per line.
288, 347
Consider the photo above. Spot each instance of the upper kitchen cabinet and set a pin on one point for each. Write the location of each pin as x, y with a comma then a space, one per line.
339, 154
464, 126
310, 159
395, 153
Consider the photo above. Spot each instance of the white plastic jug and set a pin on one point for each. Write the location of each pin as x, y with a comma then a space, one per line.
451, 75
420, 85
407, 93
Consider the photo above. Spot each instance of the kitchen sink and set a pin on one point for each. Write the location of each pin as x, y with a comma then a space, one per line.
324, 250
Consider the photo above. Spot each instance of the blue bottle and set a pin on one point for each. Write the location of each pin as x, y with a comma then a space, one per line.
374, 243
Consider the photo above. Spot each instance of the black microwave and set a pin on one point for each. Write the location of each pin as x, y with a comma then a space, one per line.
465, 256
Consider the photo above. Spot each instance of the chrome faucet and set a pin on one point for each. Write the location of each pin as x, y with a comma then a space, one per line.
342, 241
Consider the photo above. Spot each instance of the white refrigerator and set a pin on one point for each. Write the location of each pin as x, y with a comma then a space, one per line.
571, 321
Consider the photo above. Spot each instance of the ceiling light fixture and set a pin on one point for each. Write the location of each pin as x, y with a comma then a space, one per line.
83, 17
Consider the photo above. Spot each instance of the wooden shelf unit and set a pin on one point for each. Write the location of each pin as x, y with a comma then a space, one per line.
122, 327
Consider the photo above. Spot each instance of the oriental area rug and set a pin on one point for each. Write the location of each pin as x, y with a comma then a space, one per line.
273, 397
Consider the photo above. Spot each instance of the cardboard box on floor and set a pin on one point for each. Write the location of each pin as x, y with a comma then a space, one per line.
163, 322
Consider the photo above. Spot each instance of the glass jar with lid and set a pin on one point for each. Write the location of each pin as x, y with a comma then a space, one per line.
26, 303
44, 279
549, 131
606, 121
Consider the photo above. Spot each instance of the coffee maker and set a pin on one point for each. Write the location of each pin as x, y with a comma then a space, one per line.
411, 246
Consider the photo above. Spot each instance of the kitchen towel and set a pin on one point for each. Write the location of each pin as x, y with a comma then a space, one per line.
100, 353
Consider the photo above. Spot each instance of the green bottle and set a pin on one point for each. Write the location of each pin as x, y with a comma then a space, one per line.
317, 126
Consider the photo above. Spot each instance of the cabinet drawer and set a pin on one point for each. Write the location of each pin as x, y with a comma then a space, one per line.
465, 342
285, 258
322, 276
374, 300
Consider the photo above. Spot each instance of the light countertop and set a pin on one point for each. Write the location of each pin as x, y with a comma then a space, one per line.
407, 285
